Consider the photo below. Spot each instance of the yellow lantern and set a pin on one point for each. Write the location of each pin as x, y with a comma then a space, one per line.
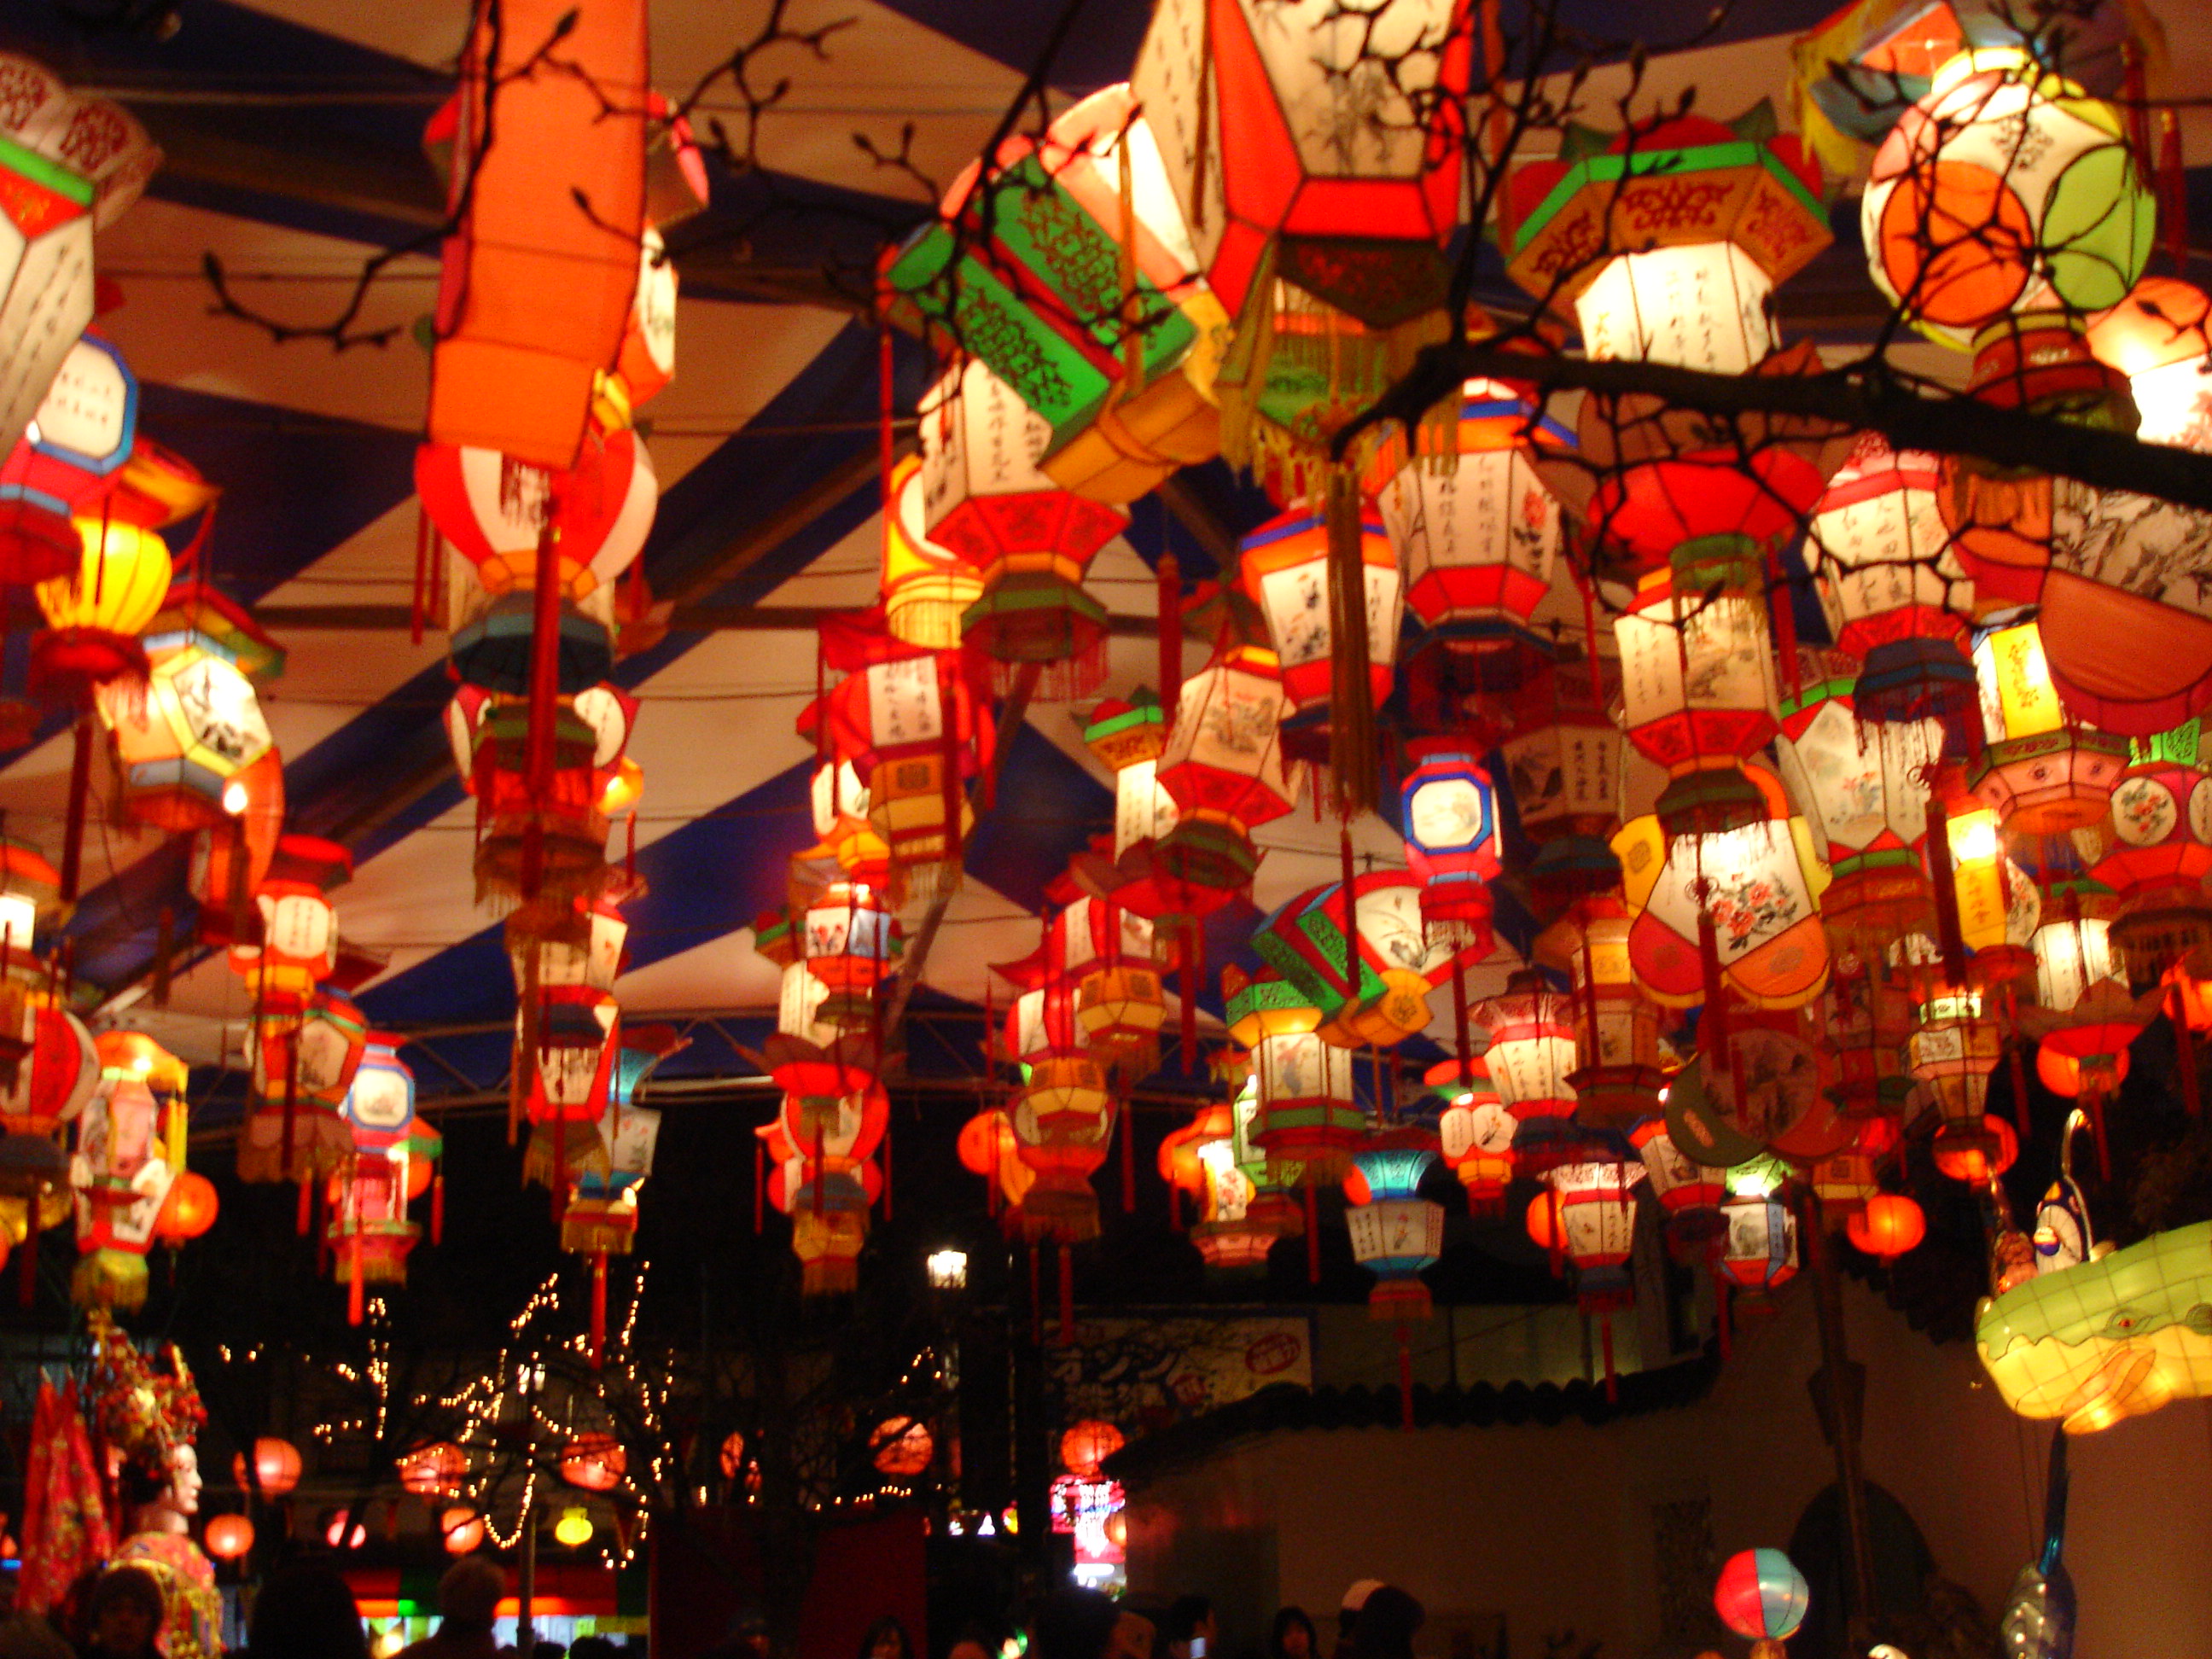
95, 615
2042, 771
928, 587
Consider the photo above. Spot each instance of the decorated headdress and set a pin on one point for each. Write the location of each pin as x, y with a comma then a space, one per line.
144, 1414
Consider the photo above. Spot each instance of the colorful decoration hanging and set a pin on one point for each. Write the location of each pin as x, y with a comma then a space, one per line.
129, 1148
1395, 1232
394, 1159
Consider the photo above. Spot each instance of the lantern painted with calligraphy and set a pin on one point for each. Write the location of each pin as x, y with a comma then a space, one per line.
1285, 571
1395, 1232
850, 939
298, 947
1561, 773
1222, 768
1306, 1114
45, 249
1616, 1079
1530, 1056
2042, 770
1596, 1214
1475, 1132
913, 726
1691, 1193
1448, 807
130, 1150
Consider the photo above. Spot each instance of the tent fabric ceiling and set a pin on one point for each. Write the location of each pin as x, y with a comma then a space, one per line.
762, 445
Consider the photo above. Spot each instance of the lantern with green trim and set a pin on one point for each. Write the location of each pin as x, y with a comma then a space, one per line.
2155, 851
1305, 1113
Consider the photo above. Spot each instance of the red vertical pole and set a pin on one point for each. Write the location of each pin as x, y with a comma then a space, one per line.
1171, 591
544, 690
80, 789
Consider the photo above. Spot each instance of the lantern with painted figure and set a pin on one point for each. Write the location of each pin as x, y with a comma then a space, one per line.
1562, 771
850, 940
1285, 570
130, 1149
1475, 1132
1691, 1193
1224, 767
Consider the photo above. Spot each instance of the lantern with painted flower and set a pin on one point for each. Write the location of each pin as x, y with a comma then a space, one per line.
1306, 1114
130, 1150
1530, 1056
1284, 567
1448, 807
850, 939
1474, 1131
1395, 1232
1222, 768
2155, 851
2041, 769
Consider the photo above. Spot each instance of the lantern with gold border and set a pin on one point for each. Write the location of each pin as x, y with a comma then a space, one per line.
1531, 1055
1062, 1120
1562, 772
2042, 770
2154, 850
1894, 592
1475, 1132
1223, 768
1395, 1232
130, 1138
1691, 1193
1955, 1044
298, 944
1447, 806
302, 1054
1374, 991
1107, 954
1284, 566
1306, 1114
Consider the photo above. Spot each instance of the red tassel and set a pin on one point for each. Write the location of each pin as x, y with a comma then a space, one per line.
886, 403
760, 1182
356, 1290
599, 1307
1170, 590
1589, 641
2095, 1100
814, 1175
1191, 948
306, 1202
1783, 608
1949, 935
1351, 913
1558, 1244
421, 577
1128, 1159
438, 1208
2185, 1052
1066, 1297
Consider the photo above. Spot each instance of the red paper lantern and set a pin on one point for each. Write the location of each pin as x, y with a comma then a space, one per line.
229, 1537
1891, 1224
902, 1447
495, 511
461, 1529
188, 1211
275, 1467
436, 1470
1283, 567
594, 1462
1083, 1447
1224, 767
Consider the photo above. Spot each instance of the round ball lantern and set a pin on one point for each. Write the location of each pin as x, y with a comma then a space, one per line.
1761, 1595
594, 1462
1089, 1444
1891, 1224
461, 1528
95, 614
229, 1537
436, 1470
902, 1447
275, 1468
189, 1209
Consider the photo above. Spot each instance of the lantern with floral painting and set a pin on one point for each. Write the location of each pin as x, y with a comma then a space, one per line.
1530, 1056
1284, 567
1862, 789
1691, 1193
1370, 971
1222, 768
1616, 1079
984, 498
2042, 770
2155, 851
926, 587
1477, 531
369, 1233
130, 1149
850, 940
1894, 592
81, 433
1475, 1132
1395, 1232
1562, 772
1447, 806
1305, 1112
1758, 1251
1667, 242
1314, 144
915, 727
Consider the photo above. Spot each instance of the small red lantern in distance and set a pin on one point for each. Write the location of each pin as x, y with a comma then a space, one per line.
1891, 1224
733, 1455
433, 1471
593, 1462
1088, 1444
902, 1447
343, 1531
462, 1529
188, 1211
1541, 1232
229, 1536
275, 1467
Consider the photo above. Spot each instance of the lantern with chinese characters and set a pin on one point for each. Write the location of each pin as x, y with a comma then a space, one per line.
2127, 634
81, 433
984, 498
2155, 851
1698, 687
926, 587
1284, 567
819, 1145
1448, 807
1306, 1114
566, 1043
298, 946
840, 821
1477, 531
1617, 1079
1474, 1131
1530, 1056
541, 828
2042, 770
1759, 1252
1863, 790
850, 940
198, 724
1106, 953
1222, 768
1865, 1017
571, 941
95, 613
915, 727
1668, 243
1562, 772
130, 1149
1370, 971
369, 1233
1395, 1232
1595, 1215
1068, 268
1691, 1193
1894, 593
1313, 144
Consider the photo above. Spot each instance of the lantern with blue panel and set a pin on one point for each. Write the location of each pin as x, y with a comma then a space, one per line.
1395, 1232
601, 1217
1449, 810
1761, 1595
393, 1158
1758, 1251
81, 434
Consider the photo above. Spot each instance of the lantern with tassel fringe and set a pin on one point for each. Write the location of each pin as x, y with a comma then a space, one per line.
1395, 1232
1305, 1113
1285, 569
1691, 1193
1616, 1079
1223, 768
1530, 1056
394, 1159
914, 727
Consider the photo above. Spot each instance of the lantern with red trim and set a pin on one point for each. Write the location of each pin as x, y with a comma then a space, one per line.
820, 1146
1063, 1121
570, 941
50, 1072
569, 1041
230, 858
1375, 989
1691, 1193
542, 838
607, 1165
302, 1053
2155, 851
130, 1149
1954, 1046
1223, 768
1475, 1132
1107, 954
984, 498
1305, 1112
1597, 1220
1395, 1232
298, 944
2042, 770
1530, 1056
369, 1233
1617, 1079
1447, 806
926, 587
1285, 570
1848, 1179
1863, 790
841, 825
2085, 1016
850, 941
1759, 1252
83, 432
1562, 769
988, 1148
30, 892
1243, 1209
95, 613
1317, 145
1865, 1017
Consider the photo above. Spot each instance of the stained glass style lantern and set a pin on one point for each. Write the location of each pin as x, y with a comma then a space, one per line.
1395, 1232
131, 1139
2042, 770
1691, 1193
1306, 1114
1862, 789
1447, 806
1530, 1056
1893, 592
1285, 570
926, 587
984, 498
1616, 1079
1475, 1132
2155, 851
1313, 144
1224, 767
95, 614
81, 433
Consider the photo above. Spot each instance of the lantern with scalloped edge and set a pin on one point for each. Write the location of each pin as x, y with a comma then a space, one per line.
1306, 1114
2155, 852
1395, 1232
130, 1150
1474, 1131
2041, 769
1691, 1193
1447, 806
1530, 1056
1562, 770
298, 946
1283, 568
95, 612
1223, 768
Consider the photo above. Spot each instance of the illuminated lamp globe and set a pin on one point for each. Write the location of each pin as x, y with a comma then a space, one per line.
1088, 1444
1891, 1224
573, 1529
593, 1462
343, 1532
902, 1447
1542, 1226
189, 1209
275, 1467
1973, 1155
462, 1529
419, 1173
1761, 1595
433, 1471
733, 1455
1117, 1529
229, 1536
